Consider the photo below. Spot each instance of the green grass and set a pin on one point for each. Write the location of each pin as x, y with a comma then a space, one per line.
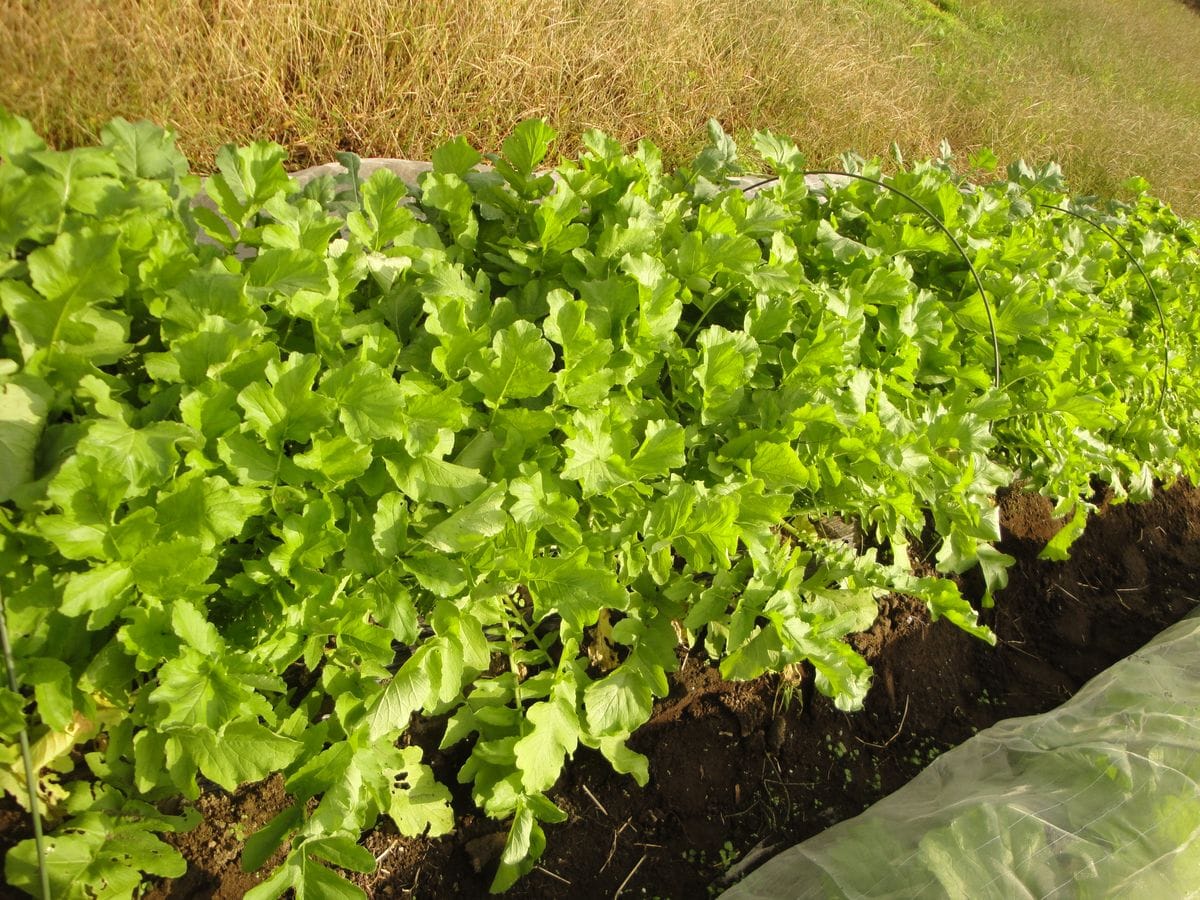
1110, 88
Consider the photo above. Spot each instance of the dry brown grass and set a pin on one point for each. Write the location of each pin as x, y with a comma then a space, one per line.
1108, 87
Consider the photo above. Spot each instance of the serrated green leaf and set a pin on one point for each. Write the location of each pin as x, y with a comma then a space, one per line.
660, 451
1057, 548
727, 361
101, 592
241, 752
91, 856
455, 157
527, 146
619, 703
309, 879
287, 408
553, 736
173, 569
409, 690
336, 460
290, 273
211, 510
420, 805
248, 177
383, 219
468, 527
143, 150
370, 403
517, 366
144, 457
598, 451
71, 276
442, 482
575, 587
197, 689
779, 467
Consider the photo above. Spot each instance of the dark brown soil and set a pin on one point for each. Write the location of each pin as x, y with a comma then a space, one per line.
741, 770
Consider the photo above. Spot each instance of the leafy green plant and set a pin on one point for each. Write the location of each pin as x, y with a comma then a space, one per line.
285, 470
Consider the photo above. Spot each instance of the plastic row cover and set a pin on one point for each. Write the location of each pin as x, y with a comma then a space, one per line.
1098, 798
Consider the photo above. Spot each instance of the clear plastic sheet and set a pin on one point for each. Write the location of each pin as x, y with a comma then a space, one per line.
1098, 798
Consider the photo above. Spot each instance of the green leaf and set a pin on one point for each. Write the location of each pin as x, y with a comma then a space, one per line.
53, 690
419, 805
660, 451
72, 276
779, 467
408, 691
624, 760
659, 305
719, 158
468, 527
12, 714
701, 527
1057, 548
94, 855
101, 592
370, 403
517, 366
523, 847
619, 703
780, 153
309, 539
199, 689
144, 457
143, 150
527, 146
207, 509
241, 752
342, 851
290, 273
553, 736
261, 845
17, 137
248, 178
390, 526
574, 587
337, 460
455, 157
308, 878
442, 482
173, 569
287, 409
727, 361
597, 452
22, 417
383, 219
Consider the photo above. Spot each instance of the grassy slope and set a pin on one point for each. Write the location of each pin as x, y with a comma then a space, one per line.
1110, 88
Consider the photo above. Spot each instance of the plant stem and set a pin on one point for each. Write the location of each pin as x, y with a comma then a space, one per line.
27, 757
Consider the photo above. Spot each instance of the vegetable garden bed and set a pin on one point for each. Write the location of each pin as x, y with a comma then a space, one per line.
358, 516
729, 785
